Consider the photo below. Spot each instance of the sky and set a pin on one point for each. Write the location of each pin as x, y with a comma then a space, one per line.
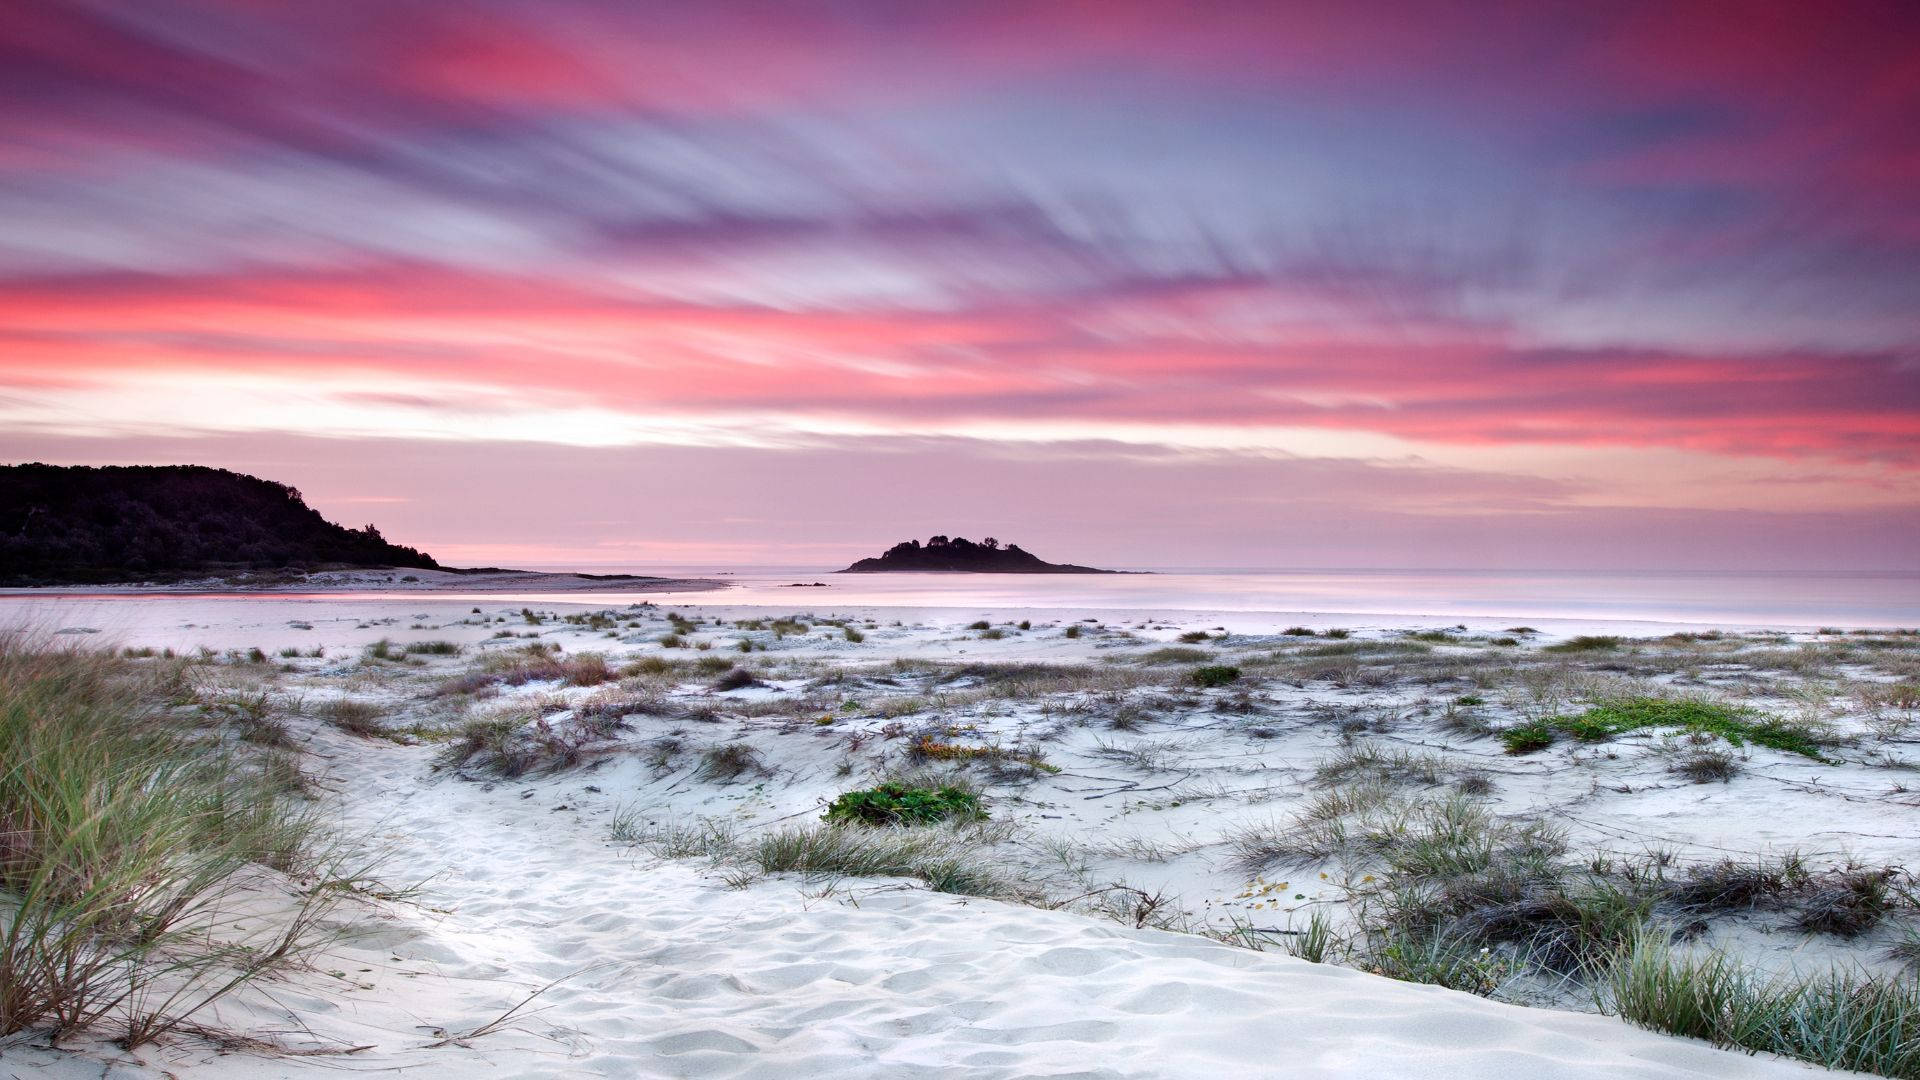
543, 282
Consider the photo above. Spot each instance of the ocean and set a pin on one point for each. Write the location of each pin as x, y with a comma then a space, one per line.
1809, 599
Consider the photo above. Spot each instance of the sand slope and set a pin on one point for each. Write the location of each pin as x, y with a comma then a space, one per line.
664, 970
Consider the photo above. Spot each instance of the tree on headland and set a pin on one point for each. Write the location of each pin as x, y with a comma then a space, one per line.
130, 523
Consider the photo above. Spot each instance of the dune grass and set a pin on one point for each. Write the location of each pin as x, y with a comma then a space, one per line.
1841, 1020
135, 850
944, 860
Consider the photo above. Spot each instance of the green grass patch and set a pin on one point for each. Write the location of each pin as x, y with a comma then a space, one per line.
899, 804
1738, 725
1528, 737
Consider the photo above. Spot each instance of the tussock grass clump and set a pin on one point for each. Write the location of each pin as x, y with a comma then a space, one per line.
674, 839
735, 679
1173, 654
1840, 1021
929, 748
1365, 648
1528, 737
1705, 765
1209, 676
731, 761
1732, 884
362, 718
899, 804
1847, 902
533, 663
1580, 643
433, 648
518, 741
1023, 680
1381, 764
945, 861
490, 738
127, 844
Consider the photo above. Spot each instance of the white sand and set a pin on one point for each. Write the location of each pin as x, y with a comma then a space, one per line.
664, 969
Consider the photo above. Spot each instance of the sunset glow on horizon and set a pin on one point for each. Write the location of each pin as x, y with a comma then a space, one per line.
1234, 284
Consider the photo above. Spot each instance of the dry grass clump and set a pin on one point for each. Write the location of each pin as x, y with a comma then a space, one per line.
986, 681
1706, 764
675, 838
1374, 762
533, 663
433, 648
736, 678
609, 705
362, 718
1173, 654
517, 741
730, 761
928, 747
1849, 902
129, 851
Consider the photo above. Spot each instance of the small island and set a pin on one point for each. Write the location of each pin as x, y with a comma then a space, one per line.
961, 555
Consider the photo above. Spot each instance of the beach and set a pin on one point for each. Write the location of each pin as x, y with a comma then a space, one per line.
1131, 905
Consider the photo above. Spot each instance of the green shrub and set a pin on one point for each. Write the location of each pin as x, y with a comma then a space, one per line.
1213, 675
1193, 637
898, 804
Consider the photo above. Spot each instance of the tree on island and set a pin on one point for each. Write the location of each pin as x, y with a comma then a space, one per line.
943, 553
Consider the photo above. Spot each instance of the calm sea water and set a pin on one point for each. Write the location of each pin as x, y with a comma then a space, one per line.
1638, 602
1782, 599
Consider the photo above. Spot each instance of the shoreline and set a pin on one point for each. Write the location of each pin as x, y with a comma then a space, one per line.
391, 581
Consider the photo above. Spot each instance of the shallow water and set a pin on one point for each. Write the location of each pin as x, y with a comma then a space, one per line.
1693, 599
1781, 599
